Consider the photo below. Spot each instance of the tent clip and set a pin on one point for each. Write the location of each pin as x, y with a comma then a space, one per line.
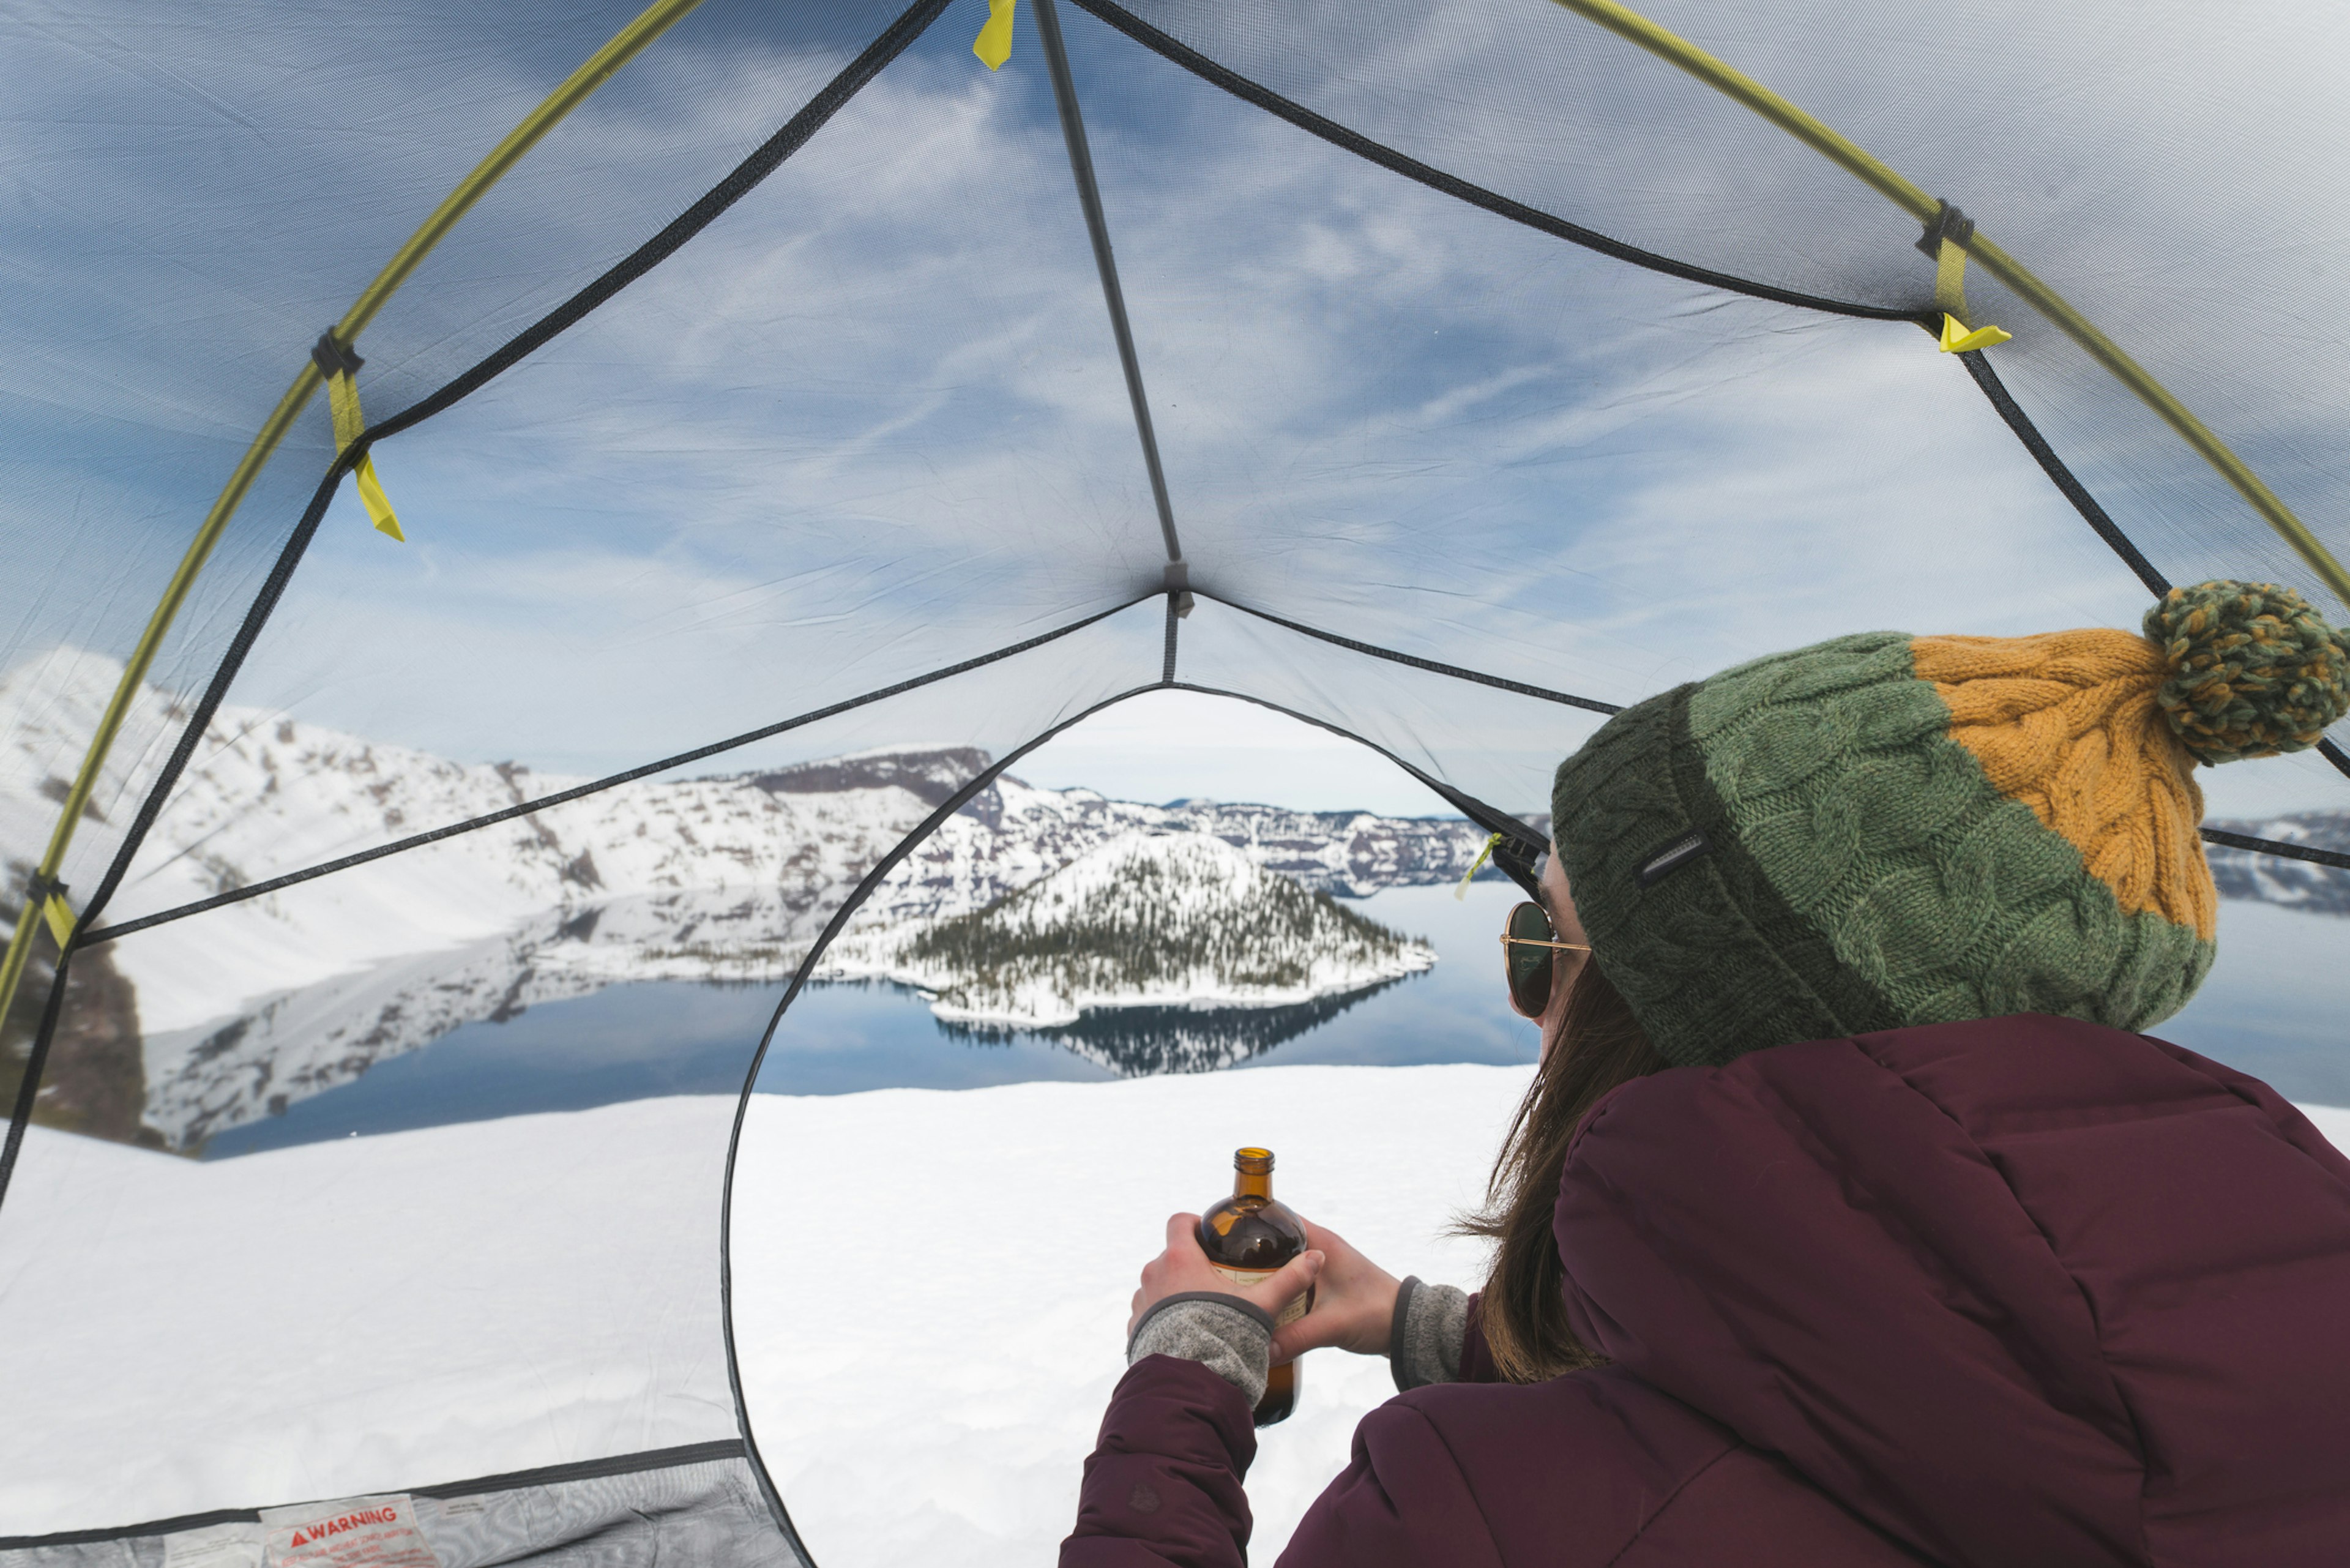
1178, 583
1948, 223
48, 896
1948, 234
334, 358
339, 364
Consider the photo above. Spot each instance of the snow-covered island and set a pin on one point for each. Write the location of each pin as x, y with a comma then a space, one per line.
1146, 920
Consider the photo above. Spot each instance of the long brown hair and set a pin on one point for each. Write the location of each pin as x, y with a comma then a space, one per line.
1523, 1308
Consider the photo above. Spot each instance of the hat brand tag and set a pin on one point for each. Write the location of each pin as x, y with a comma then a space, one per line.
1664, 862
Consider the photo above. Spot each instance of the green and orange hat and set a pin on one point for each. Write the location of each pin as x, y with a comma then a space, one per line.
1886, 830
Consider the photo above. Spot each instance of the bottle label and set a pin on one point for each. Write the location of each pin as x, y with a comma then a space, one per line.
1246, 1277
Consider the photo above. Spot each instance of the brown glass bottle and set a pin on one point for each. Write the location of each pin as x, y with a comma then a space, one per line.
1248, 1237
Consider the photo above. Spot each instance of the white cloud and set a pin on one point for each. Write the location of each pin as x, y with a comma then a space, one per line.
870, 421
1170, 745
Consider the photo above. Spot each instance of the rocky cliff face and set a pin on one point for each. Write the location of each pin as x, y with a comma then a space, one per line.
95, 1079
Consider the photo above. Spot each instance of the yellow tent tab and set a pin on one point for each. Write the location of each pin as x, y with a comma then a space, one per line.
371, 496
60, 917
1957, 339
343, 396
993, 45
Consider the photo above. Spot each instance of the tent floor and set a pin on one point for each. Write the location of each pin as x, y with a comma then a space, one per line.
699, 1504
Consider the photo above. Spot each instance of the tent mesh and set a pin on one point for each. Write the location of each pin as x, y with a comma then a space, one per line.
1497, 372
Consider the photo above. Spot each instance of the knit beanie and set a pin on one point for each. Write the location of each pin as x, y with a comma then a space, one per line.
1886, 830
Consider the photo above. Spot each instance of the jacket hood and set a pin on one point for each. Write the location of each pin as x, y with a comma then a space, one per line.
2018, 1292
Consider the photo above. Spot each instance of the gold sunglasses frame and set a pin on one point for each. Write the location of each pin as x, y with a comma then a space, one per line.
1509, 942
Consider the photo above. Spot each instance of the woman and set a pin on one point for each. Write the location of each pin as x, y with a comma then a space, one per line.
1847, 1219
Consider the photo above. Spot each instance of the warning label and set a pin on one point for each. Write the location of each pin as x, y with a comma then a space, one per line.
357, 1532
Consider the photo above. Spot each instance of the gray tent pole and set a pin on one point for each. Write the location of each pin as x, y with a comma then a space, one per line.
1081, 164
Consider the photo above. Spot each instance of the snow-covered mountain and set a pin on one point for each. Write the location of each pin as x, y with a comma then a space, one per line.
224, 1015
1146, 920
268, 794
2271, 878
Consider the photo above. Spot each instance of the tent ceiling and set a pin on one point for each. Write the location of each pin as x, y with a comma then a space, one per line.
847, 412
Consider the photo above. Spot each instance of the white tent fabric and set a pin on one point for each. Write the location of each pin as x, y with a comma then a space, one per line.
1498, 372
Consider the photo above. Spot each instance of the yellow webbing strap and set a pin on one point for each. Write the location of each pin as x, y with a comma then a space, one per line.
1948, 234
1950, 277
340, 367
1675, 50
1462, 892
993, 45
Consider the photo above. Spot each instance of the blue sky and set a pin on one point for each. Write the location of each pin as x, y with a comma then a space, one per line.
871, 423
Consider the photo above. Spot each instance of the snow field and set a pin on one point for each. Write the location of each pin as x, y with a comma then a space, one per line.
931, 1292
931, 1287
361, 1315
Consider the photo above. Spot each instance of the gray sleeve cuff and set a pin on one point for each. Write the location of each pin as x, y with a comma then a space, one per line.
1431, 1324
1230, 1337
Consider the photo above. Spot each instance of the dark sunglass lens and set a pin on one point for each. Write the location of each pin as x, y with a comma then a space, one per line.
1530, 923
1529, 966
1530, 979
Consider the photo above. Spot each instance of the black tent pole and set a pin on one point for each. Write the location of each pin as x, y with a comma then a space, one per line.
1081, 164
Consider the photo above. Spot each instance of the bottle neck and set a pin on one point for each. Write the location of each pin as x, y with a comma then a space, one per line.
1251, 1184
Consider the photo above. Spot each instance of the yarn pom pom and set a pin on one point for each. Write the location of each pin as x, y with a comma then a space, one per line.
2253, 671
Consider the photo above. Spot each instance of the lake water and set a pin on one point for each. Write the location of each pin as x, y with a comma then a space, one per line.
673, 1037
2277, 1002
2275, 1006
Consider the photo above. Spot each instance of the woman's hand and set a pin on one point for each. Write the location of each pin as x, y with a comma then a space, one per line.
1353, 1303
1184, 1267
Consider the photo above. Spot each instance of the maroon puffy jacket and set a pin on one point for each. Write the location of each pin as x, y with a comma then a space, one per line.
2017, 1294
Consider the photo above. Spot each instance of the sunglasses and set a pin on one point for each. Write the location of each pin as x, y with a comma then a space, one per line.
1530, 950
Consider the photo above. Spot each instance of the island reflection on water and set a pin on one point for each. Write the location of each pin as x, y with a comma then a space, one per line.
673, 1037
1143, 1042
